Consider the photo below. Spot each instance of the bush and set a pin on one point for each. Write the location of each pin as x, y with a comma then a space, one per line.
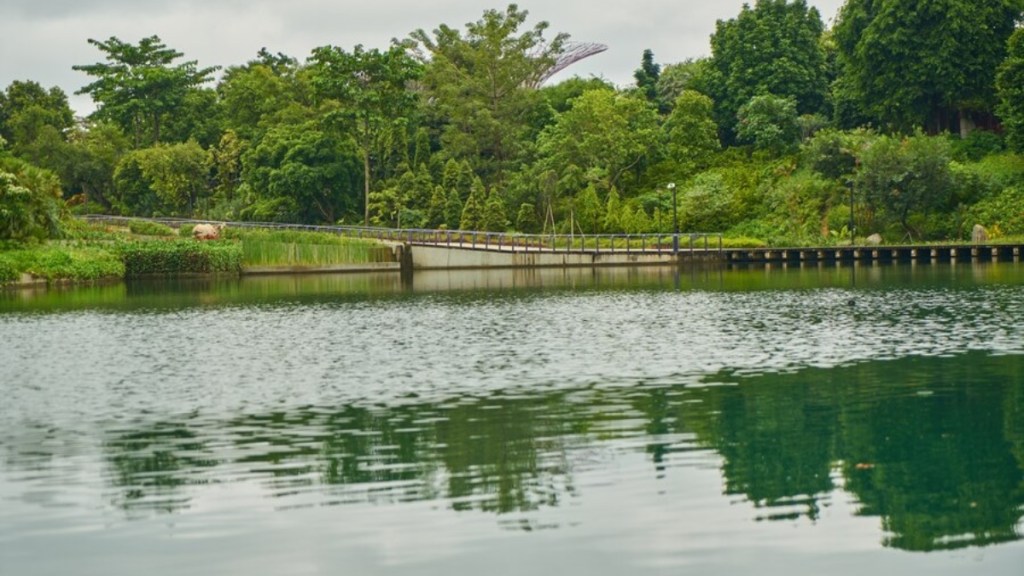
29, 205
181, 257
8, 269
1002, 214
148, 228
61, 263
977, 145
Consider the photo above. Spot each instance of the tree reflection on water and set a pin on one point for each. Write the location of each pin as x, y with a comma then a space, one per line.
932, 446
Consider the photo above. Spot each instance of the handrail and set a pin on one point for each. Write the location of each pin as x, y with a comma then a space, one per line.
478, 240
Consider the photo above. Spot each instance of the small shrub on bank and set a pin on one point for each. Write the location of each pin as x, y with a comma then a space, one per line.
8, 269
180, 257
148, 228
60, 263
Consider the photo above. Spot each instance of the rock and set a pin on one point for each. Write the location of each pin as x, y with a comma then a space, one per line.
207, 231
874, 240
979, 235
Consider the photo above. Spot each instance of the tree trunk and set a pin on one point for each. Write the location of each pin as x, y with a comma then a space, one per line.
366, 186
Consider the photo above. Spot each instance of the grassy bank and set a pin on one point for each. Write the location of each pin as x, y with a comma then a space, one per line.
94, 251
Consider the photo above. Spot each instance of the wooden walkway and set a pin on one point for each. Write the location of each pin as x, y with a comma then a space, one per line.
880, 254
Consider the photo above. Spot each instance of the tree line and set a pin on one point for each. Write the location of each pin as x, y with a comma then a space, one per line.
915, 109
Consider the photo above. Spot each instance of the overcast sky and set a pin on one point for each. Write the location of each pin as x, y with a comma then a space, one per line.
41, 40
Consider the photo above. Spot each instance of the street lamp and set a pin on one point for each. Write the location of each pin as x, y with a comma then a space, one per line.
675, 219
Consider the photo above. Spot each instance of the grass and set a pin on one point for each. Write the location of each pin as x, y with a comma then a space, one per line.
91, 251
56, 262
262, 247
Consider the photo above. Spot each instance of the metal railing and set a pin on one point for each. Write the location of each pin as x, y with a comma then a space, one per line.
477, 240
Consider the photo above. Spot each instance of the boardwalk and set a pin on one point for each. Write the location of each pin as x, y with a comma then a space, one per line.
624, 249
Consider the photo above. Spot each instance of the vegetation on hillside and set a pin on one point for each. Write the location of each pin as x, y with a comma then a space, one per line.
917, 112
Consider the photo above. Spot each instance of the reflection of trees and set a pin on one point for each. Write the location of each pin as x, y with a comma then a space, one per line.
151, 466
925, 443
932, 455
506, 455
776, 438
932, 446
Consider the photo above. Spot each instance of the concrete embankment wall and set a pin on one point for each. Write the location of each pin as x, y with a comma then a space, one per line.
445, 258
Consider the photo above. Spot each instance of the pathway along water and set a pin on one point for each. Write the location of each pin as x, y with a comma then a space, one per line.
581, 421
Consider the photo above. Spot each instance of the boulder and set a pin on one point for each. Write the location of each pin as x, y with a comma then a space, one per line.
979, 235
207, 231
874, 240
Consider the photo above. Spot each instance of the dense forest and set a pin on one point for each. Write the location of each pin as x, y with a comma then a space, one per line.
910, 112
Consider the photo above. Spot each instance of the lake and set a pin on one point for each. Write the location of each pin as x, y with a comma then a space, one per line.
838, 420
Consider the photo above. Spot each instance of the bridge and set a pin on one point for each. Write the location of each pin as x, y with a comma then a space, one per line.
417, 249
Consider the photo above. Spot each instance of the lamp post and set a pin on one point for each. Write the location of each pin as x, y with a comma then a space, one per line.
675, 219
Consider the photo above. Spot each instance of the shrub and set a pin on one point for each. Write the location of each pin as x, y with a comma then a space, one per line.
180, 257
61, 263
148, 228
29, 204
1002, 214
8, 269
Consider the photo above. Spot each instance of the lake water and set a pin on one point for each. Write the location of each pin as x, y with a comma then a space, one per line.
611, 421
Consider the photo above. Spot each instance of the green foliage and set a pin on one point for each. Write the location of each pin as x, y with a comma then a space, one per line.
60, 263
453, 209
1010, 89
480, 86
832, 153
691, 133
526, 219
137, 87
769, 123
588, 212
495, 214
302, 174
772, 48
266, 247
149, 228
707, 204
370, 88
907, 66
9, 270
977, 145
264, 92
183, 256
974, 181
166, 180
647, 76
613, 213
603, 136
1002, 213
677, 78
473, 210
30, 205
906, 177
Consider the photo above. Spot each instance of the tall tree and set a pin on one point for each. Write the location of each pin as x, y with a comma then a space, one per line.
371, 88
302, 173
138, 85
25, 107
604, 135
477, 86
692, 134
646, 76
923, 63
772, 48
262, 93
1010, 84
